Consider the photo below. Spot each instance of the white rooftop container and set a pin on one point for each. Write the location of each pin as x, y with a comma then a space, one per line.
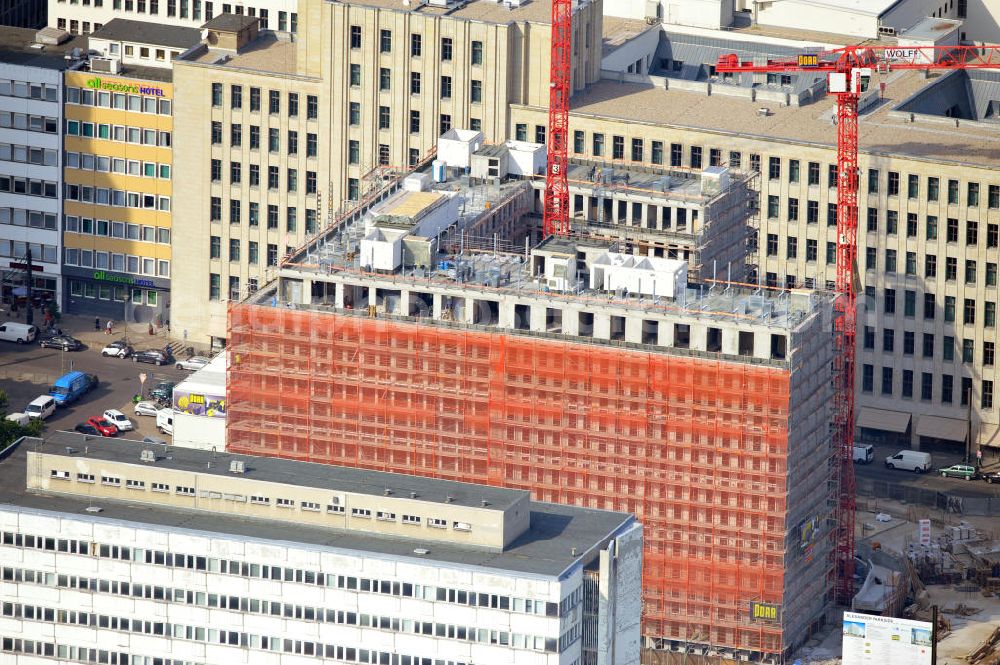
455, 147
648, 275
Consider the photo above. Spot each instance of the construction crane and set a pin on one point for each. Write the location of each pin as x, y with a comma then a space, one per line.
849, 70
555, 219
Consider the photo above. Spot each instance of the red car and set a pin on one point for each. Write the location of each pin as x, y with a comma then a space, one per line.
102, 425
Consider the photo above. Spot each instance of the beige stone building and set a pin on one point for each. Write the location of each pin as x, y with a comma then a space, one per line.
387, 80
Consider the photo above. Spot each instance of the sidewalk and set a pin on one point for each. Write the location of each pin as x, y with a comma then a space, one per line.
82, 328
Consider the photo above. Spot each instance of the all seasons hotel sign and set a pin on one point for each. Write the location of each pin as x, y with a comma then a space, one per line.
125, 86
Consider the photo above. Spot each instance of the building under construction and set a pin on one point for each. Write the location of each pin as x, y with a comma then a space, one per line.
428, 332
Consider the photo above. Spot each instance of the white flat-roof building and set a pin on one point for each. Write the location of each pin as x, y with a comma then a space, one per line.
199, 405
77, 19
114, 552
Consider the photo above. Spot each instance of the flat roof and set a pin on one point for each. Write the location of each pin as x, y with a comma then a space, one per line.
230, 22
487, 11
265, 54
18, 47
141, 32
866, 7
810, 124
617, 31
545, 549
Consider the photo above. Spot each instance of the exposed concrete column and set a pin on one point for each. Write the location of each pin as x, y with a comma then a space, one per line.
437, 306
699, 337
571, 321
469, 311
338, 295
665, 332
602, 325
372, 295
506, 313
731, 341
538, 317
307, 286
404, 302
633, 329
762, 345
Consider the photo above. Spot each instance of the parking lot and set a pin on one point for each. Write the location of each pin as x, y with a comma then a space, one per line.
27, 371
931, 481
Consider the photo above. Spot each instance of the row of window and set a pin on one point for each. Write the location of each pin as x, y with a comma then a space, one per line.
31, 218
952, 231
29, 90
273, 138
947, 386
119, 100
251, 641
28, 155
121, 133
273, 176
116, 292
280, 573
74, 26
28, 186
63, 651
16, 249
144, 52
927, 339
892, 188
29, 122
287, 21
133, 167
273, 101
113, 229
446, 53
116, 197
136, 265
253, 216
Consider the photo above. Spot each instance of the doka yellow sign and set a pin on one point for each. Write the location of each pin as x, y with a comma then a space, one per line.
764, 611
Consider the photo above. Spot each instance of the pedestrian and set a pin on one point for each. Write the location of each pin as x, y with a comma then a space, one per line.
185, 335
979, 457
107, 330
97, 324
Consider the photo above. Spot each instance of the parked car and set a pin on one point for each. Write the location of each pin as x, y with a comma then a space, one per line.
87, 428
991, 476
22, 419
164, 390
12, 331
71, 386
145, 408
117, 349
909, 460
153, 356
41, 407
64, 342
193, 363
959, 471
102, 425
119, 420
864, 453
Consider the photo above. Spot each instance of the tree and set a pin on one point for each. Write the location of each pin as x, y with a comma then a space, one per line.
11, 431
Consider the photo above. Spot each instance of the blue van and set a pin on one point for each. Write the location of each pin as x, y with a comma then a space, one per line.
70, 387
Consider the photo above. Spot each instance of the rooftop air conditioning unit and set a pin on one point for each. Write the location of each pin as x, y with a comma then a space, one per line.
105, 65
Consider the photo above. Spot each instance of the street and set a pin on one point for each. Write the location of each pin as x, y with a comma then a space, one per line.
930, 480
27, 371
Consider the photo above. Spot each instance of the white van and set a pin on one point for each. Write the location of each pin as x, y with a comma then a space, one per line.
22, 419
165, 421
41, 407
909, 460
22, 333
863, 453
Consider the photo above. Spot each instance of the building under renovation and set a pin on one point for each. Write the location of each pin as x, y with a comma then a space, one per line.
429, 332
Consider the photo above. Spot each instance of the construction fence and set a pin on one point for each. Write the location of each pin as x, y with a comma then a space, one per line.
950, 503
696, 447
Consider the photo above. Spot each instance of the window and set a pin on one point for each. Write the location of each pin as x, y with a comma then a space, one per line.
774, 168
216, 170
888, 340
952, 230
947, 383
928, 345
446, 48
869, 338
952, 192
773, 206
793, 209
867, 378
908, 342
415, 83
907, 387
234, 250
236, 97
476, 91
971, 233
477, 53
987, 398
812, 212
873, 181
813, 174
972, 195
889, 301
929, 306
811, 250
312, 107
969, 311
911, 263
912, 186
948, 348
414, 122
991, 274
926, 386
793, 170
772, 244
384, 79
215, 209
254, 100
994, 196
355, 36
970, 272
236, 135
989, 314
909, 304
385, 41
540, 134
234, 212
893, 183
216, 133
215, 247
521, 129
254, 137
235, 173
384, 117
637, 150
274, 102
735, 159
968, 350
292, 180
886, 381
293, 104
791, 247
273, 140
831, 253
416, 46
931, 227
214, 287
216, 94
911, 225
695, 156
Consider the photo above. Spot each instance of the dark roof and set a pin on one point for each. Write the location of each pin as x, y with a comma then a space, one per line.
230, 22
141, 32
559, 538
17, 48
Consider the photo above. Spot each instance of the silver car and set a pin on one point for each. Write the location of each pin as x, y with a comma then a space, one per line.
146, 408
193, 363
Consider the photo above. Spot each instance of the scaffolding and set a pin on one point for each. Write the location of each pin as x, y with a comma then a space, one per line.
694, 445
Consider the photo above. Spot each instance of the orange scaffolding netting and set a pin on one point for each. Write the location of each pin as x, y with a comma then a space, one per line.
695, 447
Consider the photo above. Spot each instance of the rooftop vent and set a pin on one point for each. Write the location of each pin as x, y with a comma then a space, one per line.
237, 466
763, 111
147, 455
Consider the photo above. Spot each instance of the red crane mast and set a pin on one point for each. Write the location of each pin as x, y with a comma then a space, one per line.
849, 69
555, 219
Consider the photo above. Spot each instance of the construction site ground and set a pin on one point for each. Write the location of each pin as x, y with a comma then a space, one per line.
967, 632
